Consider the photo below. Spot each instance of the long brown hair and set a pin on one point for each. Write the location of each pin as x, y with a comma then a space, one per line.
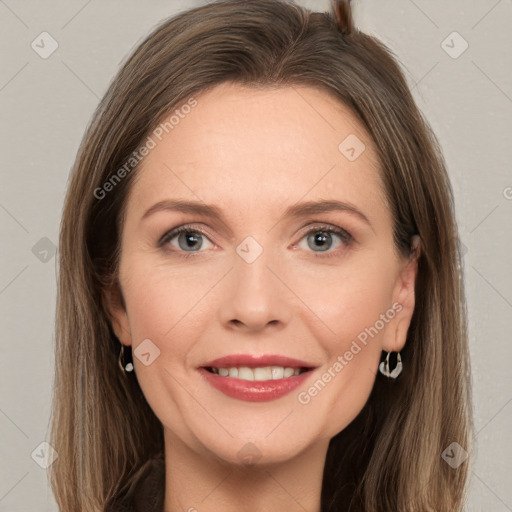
390, 457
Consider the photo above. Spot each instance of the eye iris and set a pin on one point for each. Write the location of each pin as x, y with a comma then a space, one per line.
321, 236
189, 236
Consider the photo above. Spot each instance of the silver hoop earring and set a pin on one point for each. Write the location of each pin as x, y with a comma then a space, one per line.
396, 371
125, 363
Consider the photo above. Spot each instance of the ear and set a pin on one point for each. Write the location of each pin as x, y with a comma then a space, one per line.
116, 312
404, 298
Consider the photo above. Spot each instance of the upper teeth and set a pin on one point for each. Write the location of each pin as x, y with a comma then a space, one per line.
265, 373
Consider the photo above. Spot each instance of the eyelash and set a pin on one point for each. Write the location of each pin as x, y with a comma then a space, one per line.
344, 235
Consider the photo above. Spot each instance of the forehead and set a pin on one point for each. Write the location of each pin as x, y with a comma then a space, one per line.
247, 147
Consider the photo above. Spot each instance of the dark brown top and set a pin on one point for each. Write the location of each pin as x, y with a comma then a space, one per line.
146, 492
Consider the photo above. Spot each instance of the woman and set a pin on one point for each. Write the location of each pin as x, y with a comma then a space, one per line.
261, 301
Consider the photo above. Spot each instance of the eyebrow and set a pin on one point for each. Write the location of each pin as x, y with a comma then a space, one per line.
294, 211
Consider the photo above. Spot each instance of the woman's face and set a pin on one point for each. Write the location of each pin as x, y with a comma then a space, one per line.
257, 279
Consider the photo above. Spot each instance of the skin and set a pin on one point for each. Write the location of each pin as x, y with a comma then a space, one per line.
253, 153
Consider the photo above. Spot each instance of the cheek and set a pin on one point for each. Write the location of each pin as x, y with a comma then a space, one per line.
167, 304
347, 302
337, 301
164, 306
347, 297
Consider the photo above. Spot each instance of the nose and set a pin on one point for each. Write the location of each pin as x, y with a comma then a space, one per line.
255, 295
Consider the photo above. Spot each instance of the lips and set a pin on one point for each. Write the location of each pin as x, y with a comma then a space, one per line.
256, 361
253, 391
257, 390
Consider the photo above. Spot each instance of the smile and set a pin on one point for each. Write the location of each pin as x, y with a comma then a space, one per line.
253, 384
257, 374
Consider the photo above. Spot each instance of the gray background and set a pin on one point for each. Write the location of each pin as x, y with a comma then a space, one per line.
46, 104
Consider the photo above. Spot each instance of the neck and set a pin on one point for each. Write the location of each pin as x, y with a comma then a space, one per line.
202, 482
